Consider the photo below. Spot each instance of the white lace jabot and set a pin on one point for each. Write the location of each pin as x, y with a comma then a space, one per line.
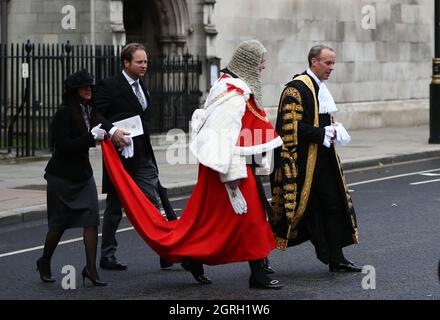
326, 102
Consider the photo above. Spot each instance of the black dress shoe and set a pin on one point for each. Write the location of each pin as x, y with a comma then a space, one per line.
256, 283
111, 264
266, 266
186, 265
164, 264
197, 271
202, 279
344, 267
43, 267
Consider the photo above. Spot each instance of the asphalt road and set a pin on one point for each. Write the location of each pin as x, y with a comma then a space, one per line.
398, 215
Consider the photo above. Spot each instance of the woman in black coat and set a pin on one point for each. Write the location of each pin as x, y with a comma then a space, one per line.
72, 199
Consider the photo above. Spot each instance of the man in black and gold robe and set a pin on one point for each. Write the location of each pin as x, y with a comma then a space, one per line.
310, 198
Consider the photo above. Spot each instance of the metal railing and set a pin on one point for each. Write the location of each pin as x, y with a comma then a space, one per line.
31, 84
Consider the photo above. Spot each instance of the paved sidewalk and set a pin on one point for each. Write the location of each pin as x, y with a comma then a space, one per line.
22, 187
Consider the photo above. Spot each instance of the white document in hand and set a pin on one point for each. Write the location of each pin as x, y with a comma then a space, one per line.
132, 125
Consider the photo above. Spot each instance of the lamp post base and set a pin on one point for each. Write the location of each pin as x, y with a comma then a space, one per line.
434, 103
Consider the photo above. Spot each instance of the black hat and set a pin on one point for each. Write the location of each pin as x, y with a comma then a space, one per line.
77, 80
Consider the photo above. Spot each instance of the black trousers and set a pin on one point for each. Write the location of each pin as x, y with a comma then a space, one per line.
326, 200
147, 180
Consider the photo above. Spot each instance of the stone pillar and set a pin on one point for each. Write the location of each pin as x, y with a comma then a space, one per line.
212, 61
117, 22
209, 26
180, 45
165, 43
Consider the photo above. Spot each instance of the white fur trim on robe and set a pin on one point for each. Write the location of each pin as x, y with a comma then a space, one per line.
221, 86
260, 148
215, 144
237, 169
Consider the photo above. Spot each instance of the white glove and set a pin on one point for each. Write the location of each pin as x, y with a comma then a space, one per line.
98, 133
264, 168
329, 136
342, 136
237, 200
128, 150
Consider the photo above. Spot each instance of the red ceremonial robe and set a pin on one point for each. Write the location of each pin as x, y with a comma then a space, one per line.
208, 230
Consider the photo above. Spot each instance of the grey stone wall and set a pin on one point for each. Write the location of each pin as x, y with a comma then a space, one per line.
40, 21
388, 64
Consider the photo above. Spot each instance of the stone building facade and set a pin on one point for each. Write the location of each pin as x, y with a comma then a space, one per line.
384, 47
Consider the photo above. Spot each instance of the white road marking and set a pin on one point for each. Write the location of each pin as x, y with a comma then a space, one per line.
67, 241
431, 174
392, 177
424, 182
61, 243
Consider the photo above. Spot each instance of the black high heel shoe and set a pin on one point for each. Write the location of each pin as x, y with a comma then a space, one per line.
196, 269
96, 282
44, 269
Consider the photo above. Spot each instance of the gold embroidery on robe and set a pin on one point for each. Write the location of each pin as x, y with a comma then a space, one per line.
292, 92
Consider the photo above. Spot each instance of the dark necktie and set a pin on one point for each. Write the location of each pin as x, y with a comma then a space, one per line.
139, 94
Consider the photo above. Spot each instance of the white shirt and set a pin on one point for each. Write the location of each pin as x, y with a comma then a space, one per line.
130, 82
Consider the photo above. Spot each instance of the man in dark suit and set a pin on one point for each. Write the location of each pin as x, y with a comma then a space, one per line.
117, 98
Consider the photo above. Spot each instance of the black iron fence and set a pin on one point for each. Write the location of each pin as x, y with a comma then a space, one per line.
31, 78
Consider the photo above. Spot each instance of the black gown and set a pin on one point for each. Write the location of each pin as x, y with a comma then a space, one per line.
298, 165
